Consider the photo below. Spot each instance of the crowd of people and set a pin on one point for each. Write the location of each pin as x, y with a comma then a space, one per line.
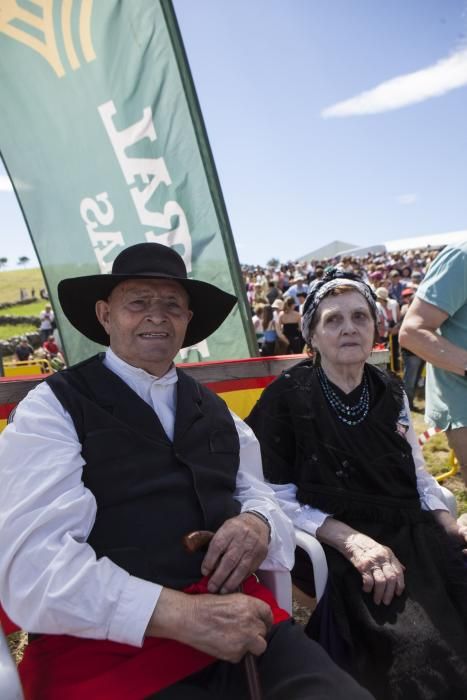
49, 348
276, 296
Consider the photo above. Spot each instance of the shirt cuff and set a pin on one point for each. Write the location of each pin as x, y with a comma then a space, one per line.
133, 612
310, 519
431, 502
281, 546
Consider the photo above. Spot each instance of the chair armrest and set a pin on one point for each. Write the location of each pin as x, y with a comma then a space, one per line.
280, 585
318, 559
10, 686
450, 501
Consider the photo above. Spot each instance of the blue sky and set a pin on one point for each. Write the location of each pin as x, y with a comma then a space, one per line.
328, 119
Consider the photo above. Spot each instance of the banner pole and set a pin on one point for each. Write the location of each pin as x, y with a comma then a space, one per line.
211, 171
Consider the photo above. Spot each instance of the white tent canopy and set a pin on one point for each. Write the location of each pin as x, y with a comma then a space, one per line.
330, 250
437, 240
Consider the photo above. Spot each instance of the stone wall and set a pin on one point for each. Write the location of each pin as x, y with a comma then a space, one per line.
17, 320
9, 304
7, 347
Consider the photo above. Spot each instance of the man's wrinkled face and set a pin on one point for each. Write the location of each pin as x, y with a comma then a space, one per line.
146, 321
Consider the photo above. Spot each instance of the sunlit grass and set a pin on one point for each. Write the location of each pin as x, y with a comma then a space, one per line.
12, 281
32, 309
7, 332
437, 457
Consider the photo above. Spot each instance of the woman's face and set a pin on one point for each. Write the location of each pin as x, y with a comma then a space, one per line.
345, 330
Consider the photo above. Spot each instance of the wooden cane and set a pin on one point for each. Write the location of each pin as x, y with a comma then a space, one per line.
193, 542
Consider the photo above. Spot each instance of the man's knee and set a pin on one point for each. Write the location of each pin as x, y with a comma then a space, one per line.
294, 668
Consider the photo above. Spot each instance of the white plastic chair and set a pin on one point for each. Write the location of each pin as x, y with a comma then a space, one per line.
280, 585
280, 582
450, 501
318, 559
10, 686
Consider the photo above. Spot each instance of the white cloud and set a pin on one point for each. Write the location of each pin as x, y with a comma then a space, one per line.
445, 75
407, 198
5, 184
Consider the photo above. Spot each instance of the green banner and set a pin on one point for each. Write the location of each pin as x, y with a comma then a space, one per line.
102, 135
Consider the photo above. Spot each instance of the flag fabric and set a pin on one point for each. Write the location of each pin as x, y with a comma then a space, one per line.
103, 138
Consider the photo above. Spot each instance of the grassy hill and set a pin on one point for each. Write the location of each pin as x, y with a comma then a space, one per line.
11, 281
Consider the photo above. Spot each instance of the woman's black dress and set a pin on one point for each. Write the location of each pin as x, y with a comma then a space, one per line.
415, 648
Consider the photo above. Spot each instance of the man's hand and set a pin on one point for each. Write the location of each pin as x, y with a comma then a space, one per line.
226, 627
236, 551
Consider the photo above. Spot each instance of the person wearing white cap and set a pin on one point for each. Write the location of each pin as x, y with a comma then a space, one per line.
299, 285
388, 314
277, 307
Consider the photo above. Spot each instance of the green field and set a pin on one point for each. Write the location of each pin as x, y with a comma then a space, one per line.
11, 281
32, 309
7, 332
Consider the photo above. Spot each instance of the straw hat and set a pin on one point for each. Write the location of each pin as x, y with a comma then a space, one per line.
382, 293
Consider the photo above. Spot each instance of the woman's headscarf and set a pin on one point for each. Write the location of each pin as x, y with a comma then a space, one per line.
320, 288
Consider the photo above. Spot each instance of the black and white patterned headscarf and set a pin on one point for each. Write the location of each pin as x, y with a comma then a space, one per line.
320, 288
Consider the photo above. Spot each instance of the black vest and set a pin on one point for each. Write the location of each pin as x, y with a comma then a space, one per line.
150, 492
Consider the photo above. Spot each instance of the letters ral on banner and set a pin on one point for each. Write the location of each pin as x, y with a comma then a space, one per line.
102, 136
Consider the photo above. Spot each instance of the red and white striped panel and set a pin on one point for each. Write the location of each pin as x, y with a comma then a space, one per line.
427, 434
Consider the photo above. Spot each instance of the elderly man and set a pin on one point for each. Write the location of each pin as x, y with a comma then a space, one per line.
106, 466
435, 329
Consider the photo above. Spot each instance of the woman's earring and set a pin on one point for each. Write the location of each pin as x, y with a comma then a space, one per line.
313, 353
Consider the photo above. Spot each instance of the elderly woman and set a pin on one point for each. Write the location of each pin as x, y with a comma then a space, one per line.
340, 451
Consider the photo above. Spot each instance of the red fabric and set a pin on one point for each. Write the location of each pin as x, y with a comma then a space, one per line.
50, 346
56, 667
8, 626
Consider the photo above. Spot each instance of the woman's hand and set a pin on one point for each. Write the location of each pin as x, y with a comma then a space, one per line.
455, 528
381, 570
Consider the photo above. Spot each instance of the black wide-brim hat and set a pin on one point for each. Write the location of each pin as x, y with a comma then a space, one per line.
78, 295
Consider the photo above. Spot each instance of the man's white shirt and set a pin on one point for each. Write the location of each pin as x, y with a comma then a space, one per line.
50, 579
